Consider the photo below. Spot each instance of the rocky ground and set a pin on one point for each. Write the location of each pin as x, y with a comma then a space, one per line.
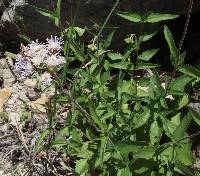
23, 119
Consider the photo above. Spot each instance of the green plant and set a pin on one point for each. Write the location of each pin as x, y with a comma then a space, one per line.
122, 121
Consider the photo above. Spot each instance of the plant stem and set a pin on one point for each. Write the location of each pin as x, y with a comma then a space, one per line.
66, 52
108, 17
186, 25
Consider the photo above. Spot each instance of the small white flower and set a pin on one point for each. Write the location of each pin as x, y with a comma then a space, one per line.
35, 48
36, 54
37, 60
55, 60
61, 60
42, 52
51, 61
46, 78
55, 44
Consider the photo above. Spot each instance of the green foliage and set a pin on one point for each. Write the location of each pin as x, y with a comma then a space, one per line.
151, 18
121, 123
157, 17
148, 54
81, 167
190, 71
53, 15
172, 46
133, 17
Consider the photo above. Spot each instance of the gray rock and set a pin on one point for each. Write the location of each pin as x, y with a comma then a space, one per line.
5, 73
9, 13
195, 106
32, 95
21, 17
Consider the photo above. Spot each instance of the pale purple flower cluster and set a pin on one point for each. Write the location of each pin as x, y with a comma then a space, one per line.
39, 55
54, 43
46, 78
24, 66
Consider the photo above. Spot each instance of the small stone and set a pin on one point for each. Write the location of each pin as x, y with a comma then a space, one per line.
4, 128
8, 78
14, 118
195, 106
32, 95
4, 96
30, 83
7, 74
40, 103
3, 63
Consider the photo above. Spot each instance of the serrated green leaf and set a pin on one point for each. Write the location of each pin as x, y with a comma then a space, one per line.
195, 115
146, 37
155, 81
182, 58
58, 142
109, 40
148, 54
172, 46
181, 129
104, 141
184, 154
142, 91
122, 65
105, 77
167, 153
142, 66
142, 119
41, 139
95, 117
144, 153
110, 113
183, 101
182, 169
76, 137
176, 119
126, 147
134, 17
191, 71
98, 161
81, 166
127, 87
84, 152
155, 133
157, 17
124, 172
168, 126
106, 65
180, 83
47, 13
80, 31
115, 56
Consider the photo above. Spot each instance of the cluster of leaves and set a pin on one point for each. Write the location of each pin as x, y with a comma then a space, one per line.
121, 122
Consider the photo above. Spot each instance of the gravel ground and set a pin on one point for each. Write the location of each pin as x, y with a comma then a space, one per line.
22, 120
